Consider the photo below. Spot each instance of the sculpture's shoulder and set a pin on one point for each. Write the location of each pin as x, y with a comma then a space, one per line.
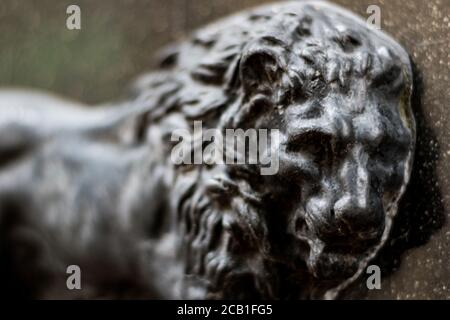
29, 119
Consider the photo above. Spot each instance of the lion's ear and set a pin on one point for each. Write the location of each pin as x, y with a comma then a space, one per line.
259, 68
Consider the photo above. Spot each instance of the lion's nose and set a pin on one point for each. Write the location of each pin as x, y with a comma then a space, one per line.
362, 218
359, 209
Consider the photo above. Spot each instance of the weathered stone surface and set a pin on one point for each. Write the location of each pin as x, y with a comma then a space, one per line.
424, 35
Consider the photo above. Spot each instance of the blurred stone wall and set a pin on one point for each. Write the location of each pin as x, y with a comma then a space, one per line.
119, 37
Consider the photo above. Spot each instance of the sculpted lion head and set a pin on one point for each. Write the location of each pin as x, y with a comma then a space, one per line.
339, 93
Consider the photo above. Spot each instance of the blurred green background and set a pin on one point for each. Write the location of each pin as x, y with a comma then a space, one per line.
115, 44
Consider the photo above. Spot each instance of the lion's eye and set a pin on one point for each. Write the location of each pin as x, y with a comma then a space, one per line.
285, 98
388, 149
296, 95
316, 145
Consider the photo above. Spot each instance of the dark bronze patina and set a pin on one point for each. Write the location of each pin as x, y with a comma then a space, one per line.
97, 187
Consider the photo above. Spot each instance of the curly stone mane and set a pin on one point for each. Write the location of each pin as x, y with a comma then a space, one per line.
240, 234
98, 187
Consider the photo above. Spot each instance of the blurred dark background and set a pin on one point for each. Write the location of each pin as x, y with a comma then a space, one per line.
119, 38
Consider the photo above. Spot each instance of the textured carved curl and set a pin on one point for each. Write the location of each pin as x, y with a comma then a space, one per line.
338, 92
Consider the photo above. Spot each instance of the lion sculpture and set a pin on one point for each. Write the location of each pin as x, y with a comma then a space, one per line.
96, 187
